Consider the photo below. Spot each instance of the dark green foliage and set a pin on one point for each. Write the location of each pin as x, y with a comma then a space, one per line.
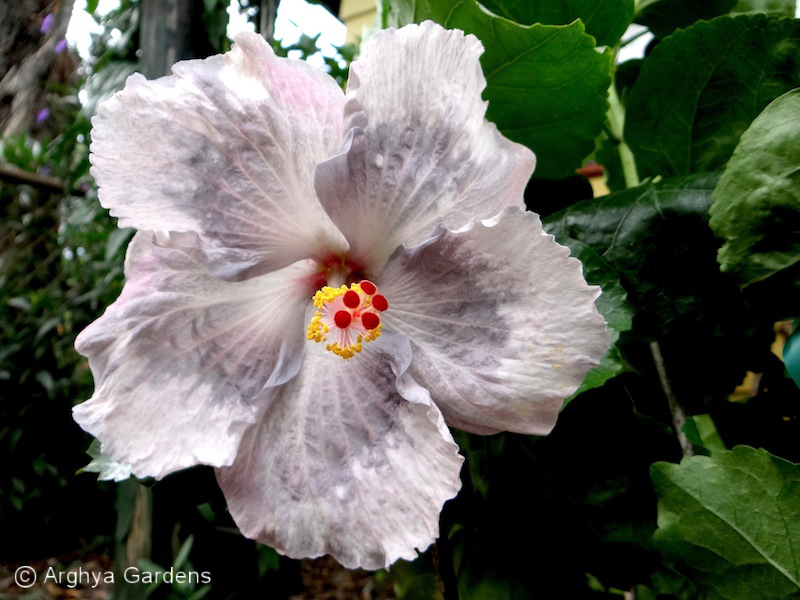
757, 202
537, 515
700, 89
606, 20
656, 237
781, 8
663, 17
60, 263
734, 517
552, 100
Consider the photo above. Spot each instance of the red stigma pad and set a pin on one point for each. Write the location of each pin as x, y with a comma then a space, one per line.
369, 320
342, 319
351, 299
368, 287
380, 303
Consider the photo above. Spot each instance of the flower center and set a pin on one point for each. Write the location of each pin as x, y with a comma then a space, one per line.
349, 316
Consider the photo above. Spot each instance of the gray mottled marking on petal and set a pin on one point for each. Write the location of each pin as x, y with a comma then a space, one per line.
341, 464
419, 152
181, 356
225, 147
502, 324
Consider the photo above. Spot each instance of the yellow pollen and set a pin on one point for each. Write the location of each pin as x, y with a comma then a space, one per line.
344, 341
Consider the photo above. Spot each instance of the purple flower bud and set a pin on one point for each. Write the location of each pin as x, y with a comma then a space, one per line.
42, 115
60, 46
47, 23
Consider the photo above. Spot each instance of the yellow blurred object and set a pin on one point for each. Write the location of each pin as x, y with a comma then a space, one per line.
599, 187
357, 14
749, 386
783, 329
595, 174
747, 389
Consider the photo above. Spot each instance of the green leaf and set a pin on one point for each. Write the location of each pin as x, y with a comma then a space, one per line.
734, 519
46, 380
20, 303
605, 20
647, 234
700, 89
208, 513
612, 304
546, 84
782, 8
116, 239
201, 593
216, 21
477, 586
103, 84
663, 17
415, 580
183, 553
702, 433
91, 6
656, 237
709, 436
268, 560
757, 201
105, 468
482, 453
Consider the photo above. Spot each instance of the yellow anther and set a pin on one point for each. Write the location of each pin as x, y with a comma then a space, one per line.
349, 333
327, 294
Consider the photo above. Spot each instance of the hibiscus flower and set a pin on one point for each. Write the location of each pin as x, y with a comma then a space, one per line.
321, 283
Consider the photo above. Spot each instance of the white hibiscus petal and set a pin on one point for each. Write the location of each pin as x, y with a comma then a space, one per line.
419, 151
180, 357
341, 464
502, 323
226, 147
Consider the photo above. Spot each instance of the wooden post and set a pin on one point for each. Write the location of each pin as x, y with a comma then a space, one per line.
171, 30
267, 11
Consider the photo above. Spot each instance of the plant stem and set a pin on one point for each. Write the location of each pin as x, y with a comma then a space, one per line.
44, 183
678, 416
624, 43
616, 123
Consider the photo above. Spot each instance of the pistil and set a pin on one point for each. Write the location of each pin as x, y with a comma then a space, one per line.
347, 317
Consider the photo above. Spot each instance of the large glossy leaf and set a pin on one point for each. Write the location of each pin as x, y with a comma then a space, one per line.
546, 84
783, 8
613, 305
654, 235
734, 518
757, 201
606, 20
663, 17
700, 89
656, 238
